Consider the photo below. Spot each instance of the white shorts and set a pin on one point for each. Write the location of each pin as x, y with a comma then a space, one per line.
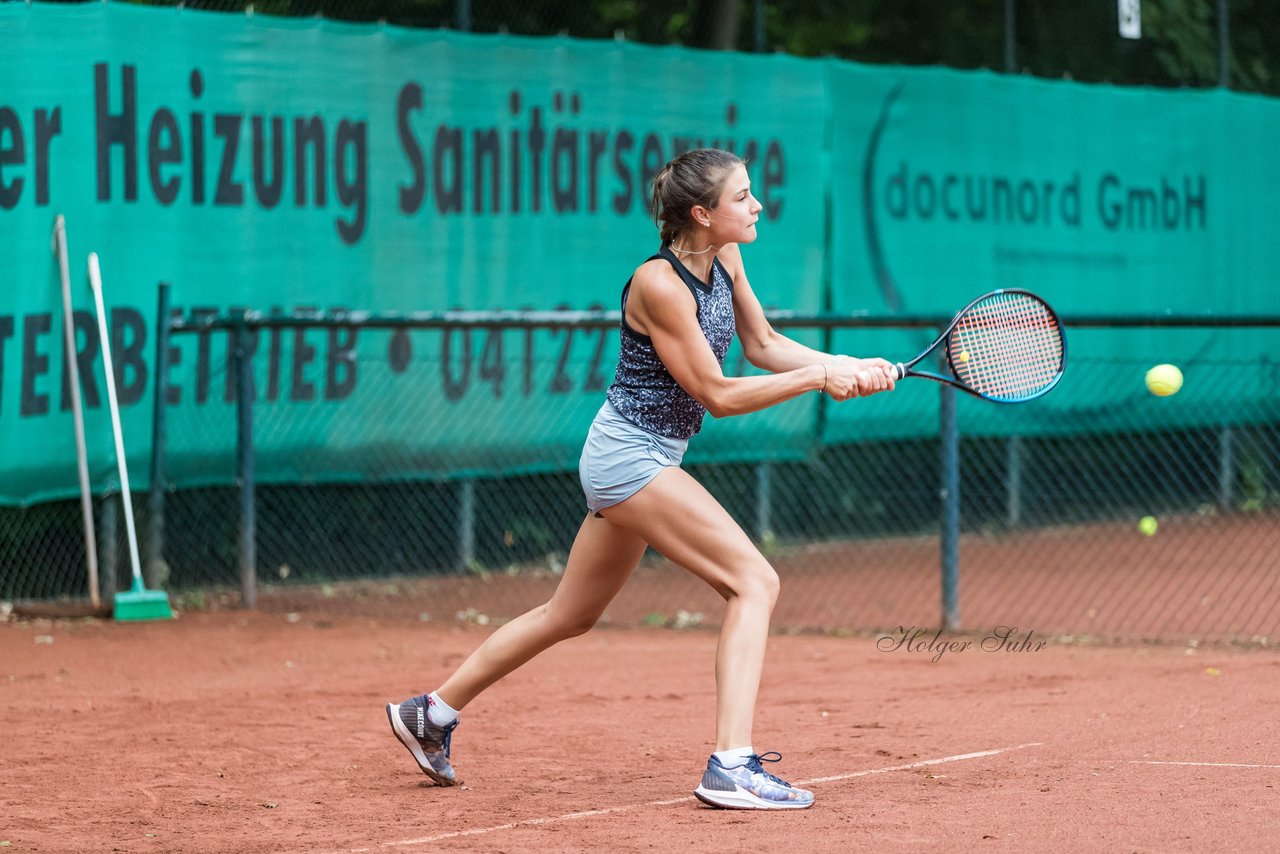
619, 458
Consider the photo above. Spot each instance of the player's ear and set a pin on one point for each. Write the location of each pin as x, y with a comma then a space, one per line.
701, 216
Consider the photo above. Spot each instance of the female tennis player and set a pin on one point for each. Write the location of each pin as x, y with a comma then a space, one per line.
679, 312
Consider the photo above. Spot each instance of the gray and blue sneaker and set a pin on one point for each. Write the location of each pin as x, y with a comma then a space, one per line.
749, 787
428, 743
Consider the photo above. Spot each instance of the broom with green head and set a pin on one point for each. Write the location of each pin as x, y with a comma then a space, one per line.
138, 603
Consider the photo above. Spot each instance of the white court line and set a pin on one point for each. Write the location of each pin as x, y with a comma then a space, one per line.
921, 764
1199, 764
532, 822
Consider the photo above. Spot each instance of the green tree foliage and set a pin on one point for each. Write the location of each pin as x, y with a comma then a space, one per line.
904, 32
1077, 40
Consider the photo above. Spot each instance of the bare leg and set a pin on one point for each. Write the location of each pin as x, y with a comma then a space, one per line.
600, 562
680, 519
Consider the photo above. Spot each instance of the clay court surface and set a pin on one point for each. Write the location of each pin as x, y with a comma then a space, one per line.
265, 731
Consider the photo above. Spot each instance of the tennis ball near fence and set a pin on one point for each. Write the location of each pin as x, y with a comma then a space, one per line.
1147, 525
1164, 380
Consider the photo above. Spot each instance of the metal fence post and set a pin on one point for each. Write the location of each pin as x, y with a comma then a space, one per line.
1226, 467
155, 499
467, 524
244, 464
109, 553
764, 500
1010, 37
1013, 474
949, 437
1224, 43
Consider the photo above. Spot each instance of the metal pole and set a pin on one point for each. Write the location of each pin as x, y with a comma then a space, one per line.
949, 436
759, 27
109, 556
462, 15
155, 499
1224, 43
1013, 474
467, 524
1226, 467
1010, 37
77, 410
764, 500
244, 461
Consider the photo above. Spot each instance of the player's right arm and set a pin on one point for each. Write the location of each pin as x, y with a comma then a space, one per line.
660, 306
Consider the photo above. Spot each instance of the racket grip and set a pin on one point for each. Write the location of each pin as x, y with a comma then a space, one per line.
899, 372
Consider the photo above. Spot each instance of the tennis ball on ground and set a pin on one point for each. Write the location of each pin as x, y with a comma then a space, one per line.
1164, 380
1147, 525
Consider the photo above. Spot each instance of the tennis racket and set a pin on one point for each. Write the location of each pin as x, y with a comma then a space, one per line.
1006, 346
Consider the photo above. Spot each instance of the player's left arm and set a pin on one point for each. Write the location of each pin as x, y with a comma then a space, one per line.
764, 346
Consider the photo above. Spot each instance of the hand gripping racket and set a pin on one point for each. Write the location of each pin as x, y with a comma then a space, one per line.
1006, 346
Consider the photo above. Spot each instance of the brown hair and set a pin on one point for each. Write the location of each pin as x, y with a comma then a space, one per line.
695, 177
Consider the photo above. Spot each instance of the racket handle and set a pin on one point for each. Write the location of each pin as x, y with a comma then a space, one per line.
899, 372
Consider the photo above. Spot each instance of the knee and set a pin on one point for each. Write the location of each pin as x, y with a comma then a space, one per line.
760, 583
772, 585
577, 627
564, 626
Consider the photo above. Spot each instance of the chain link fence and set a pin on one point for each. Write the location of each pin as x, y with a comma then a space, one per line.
475, 523
442, 524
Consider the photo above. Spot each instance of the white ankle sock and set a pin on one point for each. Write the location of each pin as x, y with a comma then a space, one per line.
734, 757
439, 712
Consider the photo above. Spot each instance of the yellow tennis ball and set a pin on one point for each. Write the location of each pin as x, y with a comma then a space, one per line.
1164, 380
964, 355
1148, 525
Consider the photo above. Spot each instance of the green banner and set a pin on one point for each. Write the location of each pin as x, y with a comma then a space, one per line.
295, 166
301, 165
1102, 200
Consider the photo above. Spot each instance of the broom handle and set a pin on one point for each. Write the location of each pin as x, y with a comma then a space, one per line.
77, 407
95, 282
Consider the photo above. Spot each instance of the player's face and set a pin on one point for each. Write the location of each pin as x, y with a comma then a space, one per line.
734, 218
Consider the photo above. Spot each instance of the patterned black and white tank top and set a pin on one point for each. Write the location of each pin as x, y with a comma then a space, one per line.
643, 390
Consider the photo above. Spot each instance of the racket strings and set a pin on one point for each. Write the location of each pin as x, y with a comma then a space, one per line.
1026, 344
1008, 346
1011, 352
1010, 355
